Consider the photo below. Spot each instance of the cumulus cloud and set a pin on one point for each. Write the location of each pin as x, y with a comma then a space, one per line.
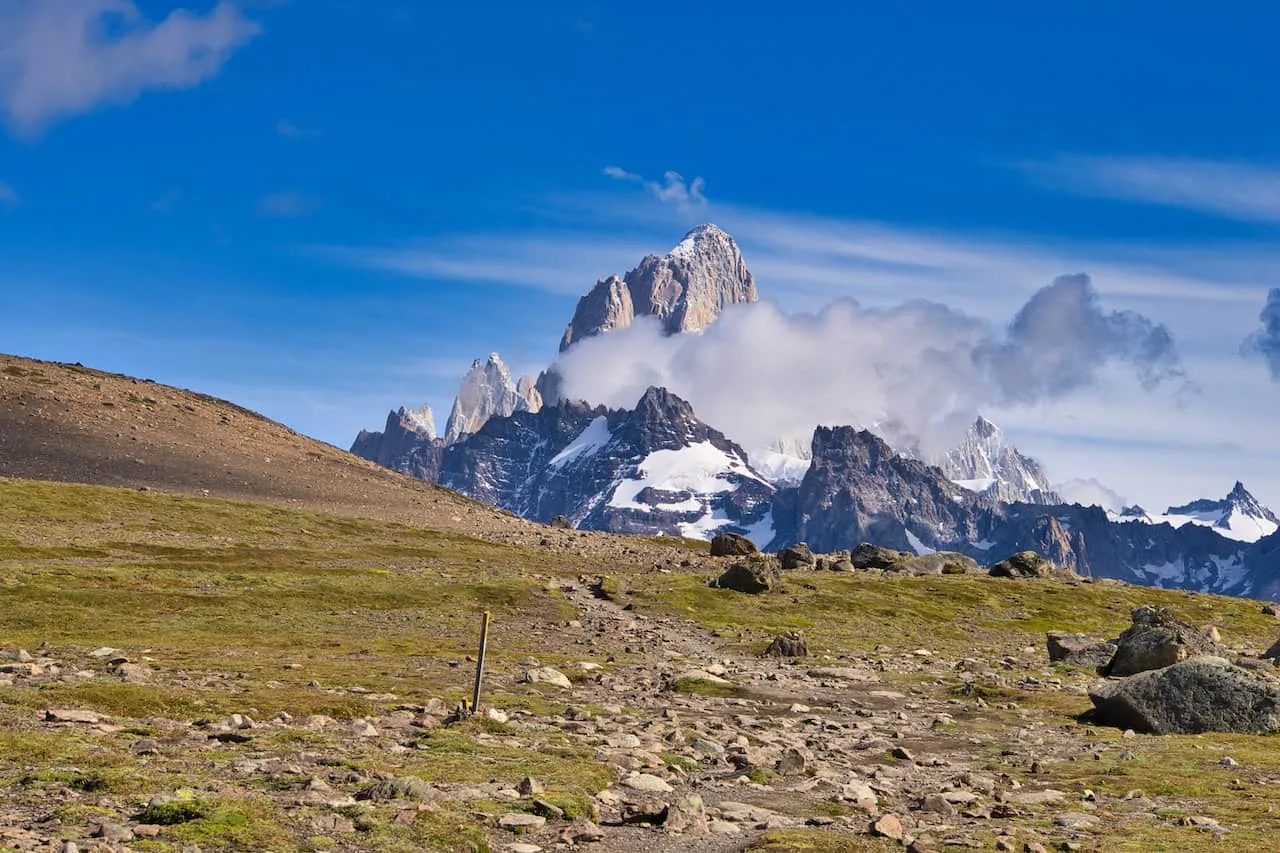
1265, 343
1090, 492
919, 373
1061, 338
59, 58
673, 189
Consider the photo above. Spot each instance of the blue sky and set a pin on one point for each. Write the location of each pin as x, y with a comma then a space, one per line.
326, 209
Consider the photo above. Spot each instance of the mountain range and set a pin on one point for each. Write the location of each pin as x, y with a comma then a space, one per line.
658, 469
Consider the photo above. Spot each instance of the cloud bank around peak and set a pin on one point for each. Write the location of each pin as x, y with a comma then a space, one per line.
59, 58
1265, 343
919, 372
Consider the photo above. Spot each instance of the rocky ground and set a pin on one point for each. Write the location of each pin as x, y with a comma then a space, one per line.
694, 745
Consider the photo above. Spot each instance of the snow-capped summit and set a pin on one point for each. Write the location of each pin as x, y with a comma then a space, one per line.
686, 289
1237, 516
986, 463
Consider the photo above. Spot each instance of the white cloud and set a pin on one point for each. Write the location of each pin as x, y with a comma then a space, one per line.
286, 205
59, 58
673, 189
8, 196
620, 174
1240, 191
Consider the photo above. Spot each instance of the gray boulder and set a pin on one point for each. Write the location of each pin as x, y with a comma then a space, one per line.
732, 545
868, 556
1273, 653
1025, 564
1078, 649
1202, 694
1156, 639
754, 575
796, 557
938, 563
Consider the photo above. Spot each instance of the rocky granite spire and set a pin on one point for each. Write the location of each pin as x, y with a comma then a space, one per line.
686, 289
488, 390
987, 463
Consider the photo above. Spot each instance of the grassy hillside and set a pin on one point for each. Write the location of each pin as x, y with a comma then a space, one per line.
281, 615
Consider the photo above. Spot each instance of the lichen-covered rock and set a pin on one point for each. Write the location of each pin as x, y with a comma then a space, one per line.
796, 557
868, 556
1156, 639
754, 575
1025, 564
1202, 694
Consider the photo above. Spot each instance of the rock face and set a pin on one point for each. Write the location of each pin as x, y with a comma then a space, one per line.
986, 463
654, 469
488, 390
1156, 639
858, 490
407, 444
1202, 694
686, 289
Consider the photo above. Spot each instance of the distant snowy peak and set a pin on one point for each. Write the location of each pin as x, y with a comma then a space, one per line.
986, 463
1237, 516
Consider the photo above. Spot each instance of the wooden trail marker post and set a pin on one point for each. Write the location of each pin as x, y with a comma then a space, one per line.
484, 646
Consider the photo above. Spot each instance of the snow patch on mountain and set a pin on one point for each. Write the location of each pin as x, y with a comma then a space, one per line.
588, 442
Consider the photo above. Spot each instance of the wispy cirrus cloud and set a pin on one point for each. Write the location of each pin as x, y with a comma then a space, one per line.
1232, 190
289, 130
59, 58
287, 205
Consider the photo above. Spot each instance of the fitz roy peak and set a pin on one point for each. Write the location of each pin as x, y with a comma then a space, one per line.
686, 289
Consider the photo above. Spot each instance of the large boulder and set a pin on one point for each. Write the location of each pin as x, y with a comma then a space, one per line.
789, 645
1202, 694
1025, 564
753, 575
938, 563
1078, 649
868, 556
1156, 639
795, 557
1273, 653
732, 545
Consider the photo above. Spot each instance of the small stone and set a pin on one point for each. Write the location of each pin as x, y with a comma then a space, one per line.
937, 804
792, 763
68, 715
521, 822
529, 786
1228, 761
113, 832
363, 728
902, 753
647, 783
887, 826
524, 848
549, 676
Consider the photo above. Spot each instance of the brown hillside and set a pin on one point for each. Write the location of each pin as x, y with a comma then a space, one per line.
69, 423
